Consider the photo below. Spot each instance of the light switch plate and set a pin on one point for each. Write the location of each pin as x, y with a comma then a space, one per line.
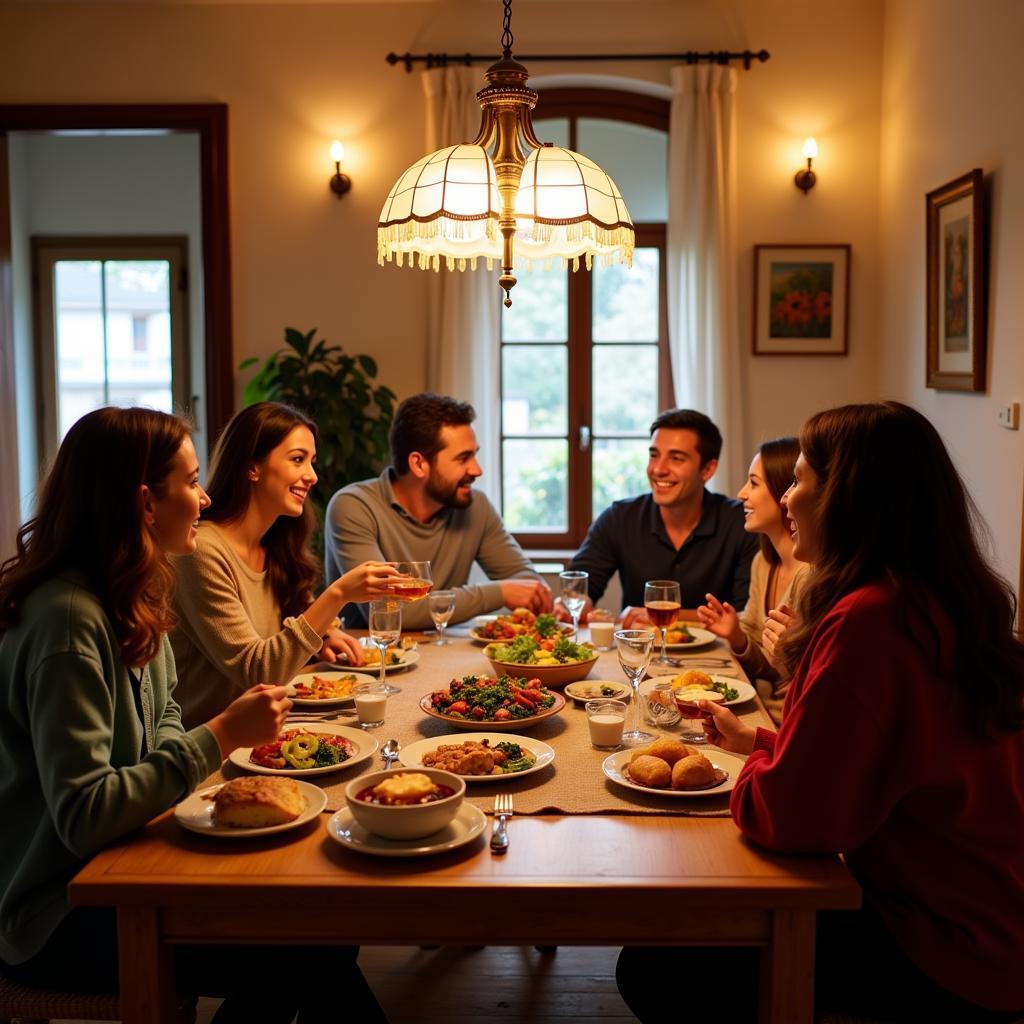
1009, 416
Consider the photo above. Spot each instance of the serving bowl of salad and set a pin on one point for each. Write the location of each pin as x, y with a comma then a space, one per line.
555, 661
501, 704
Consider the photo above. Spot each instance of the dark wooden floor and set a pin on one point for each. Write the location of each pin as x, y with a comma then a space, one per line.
505, 984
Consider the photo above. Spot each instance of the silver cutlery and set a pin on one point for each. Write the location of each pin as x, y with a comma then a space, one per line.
319, 716
389, 752
502, 812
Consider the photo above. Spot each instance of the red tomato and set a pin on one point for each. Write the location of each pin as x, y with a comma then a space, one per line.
479, 712
502, 715
460, 707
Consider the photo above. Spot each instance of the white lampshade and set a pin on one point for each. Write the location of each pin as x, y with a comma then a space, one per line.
567, 207
445, 206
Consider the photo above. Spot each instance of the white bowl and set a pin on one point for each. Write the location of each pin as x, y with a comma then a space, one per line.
405, 821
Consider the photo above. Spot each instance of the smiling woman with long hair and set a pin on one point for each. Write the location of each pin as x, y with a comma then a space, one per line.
91, 741
245, 599
902, 745
776, 574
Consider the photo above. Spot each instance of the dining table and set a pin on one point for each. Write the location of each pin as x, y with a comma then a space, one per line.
589, 862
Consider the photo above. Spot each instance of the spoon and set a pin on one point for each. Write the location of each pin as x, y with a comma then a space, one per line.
389, 752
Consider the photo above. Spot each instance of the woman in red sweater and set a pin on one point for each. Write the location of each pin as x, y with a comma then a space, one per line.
902, 744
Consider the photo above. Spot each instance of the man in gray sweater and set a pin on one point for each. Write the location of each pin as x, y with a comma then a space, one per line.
422, 508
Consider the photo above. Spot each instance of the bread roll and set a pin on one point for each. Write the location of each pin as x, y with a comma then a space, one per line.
650, 771
668, 750
692, 677
692, 772
258, 802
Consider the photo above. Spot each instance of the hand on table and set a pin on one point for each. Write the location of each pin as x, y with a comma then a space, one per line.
720, 618
254, 718
775, 626
337, 643
634, 617
725, 730
532, 594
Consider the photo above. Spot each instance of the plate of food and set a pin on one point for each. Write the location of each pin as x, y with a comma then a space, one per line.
693, 684
522, 622
503, 704
394, 660
326, 689
480, 756
467, 824
595, 689
685, 636
554, 662
670, 768
250, 806
313, 748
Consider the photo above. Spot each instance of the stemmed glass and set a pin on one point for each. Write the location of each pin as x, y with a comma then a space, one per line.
412, 582
634, 648
574, 595
442, 606
662, 602
385, 622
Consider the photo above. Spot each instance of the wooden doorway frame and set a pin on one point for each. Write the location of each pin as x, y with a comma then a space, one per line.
210, 122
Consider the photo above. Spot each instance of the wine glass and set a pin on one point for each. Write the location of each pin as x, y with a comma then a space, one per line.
634, 648
574, 595
663, 602
412, 582
441, 604
385, 621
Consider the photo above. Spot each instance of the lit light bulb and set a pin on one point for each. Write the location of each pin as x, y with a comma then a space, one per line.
338, 151
810, 148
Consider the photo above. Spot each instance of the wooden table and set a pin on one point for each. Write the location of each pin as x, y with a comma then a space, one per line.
584, 880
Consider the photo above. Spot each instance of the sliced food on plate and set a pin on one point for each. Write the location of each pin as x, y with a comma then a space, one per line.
309, 749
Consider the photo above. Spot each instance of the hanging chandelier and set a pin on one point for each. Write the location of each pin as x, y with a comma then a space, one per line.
506, 196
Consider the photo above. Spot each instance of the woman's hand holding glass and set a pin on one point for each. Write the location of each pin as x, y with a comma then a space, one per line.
365, 582
720, 618
725, 730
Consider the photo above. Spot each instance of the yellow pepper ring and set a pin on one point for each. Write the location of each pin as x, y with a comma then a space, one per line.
300, 750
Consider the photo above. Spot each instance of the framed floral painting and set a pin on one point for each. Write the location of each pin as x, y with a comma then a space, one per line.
801, 300
956, 285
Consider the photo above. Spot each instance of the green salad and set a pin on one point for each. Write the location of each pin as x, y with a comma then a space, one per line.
524, 650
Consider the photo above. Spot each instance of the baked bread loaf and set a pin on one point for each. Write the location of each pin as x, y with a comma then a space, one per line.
650, 771
257, 801
693, 772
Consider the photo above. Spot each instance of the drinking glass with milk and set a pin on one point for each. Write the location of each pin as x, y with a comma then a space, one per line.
371, 699
606, 719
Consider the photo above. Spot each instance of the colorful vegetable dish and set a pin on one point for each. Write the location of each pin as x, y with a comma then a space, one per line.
485, 699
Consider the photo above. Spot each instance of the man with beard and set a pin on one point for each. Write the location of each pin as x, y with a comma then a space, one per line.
422, 508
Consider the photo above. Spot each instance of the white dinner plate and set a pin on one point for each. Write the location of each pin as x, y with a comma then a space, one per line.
467, 824
746, 691
364, 746
614, 767
412, 755
309, 702
407, 658
196, 814
581, 692
701, 638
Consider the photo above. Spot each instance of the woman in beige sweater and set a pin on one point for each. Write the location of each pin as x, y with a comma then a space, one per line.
775, 575
244, 602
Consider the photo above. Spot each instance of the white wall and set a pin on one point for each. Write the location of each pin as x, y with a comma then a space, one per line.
99, 185
295, 76
952, 85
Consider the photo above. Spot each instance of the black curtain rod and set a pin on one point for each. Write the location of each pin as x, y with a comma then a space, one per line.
435, 60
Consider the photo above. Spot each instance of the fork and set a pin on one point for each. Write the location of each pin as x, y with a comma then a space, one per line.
502, 811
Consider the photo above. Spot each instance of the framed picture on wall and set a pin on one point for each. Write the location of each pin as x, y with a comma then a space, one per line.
801, 300
956, 285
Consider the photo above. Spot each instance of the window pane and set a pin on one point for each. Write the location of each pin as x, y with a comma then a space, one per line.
552, 129
78, 315
534, 389
139, 333
636, 157
534, 483
620, 471
626, 299
540, 306
625, 388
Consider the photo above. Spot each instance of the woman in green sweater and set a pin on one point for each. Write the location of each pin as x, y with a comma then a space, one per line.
245, 606
91, 741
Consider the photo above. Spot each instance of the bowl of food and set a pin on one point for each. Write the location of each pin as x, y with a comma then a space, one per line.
553, 662
522, 622
504, 704
405, 804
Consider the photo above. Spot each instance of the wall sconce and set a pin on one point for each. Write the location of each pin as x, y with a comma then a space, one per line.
805, 179
340, 183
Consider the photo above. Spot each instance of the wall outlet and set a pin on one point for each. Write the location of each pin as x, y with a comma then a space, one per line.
1009, 416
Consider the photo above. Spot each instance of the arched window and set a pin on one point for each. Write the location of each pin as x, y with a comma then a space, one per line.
584, 356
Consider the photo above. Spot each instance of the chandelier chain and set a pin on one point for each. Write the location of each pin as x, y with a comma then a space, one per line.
506, 34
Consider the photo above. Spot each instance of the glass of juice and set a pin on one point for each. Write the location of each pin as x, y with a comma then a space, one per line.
663, 603
412, 582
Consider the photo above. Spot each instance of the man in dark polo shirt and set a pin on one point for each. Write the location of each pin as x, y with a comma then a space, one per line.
680, 531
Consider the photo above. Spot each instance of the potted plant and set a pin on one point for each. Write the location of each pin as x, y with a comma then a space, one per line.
338, 392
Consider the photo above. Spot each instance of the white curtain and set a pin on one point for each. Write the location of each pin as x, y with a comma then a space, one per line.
702, 275
463, 307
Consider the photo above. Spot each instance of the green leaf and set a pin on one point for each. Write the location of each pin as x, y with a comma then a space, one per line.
246, 363
369, 365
